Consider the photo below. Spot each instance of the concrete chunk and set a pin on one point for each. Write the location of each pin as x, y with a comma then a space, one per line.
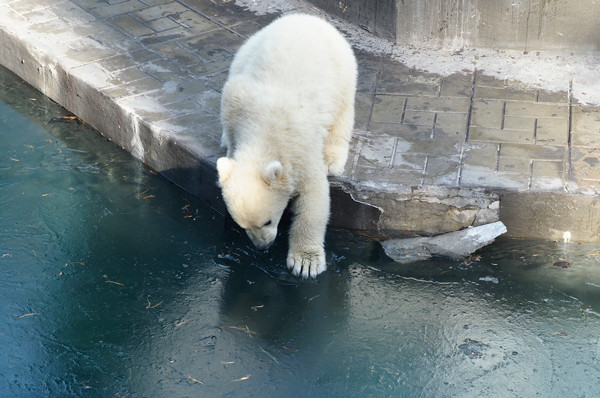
453, 244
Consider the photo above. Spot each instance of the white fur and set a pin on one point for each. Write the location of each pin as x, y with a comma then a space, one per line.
287, 112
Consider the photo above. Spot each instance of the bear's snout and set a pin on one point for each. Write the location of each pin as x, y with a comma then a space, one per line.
262, 241
262, 246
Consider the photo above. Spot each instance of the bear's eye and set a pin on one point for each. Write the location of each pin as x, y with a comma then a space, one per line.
267, 223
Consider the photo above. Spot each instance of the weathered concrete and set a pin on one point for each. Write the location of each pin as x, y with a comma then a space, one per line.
425, 210
454, 245
552, 215
524, 25
377, 17
431, 153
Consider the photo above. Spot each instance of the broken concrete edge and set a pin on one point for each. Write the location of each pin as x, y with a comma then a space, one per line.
408, 211
454, 245
402, 210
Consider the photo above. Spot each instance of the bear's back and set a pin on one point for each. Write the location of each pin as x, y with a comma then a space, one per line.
297, 51
287, 86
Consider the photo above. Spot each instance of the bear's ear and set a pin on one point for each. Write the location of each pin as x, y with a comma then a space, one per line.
272, 172
224, 168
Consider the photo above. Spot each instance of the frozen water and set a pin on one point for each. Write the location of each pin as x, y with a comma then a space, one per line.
113, 282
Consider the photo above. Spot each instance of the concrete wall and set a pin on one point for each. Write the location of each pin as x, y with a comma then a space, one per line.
525, 25
378, 17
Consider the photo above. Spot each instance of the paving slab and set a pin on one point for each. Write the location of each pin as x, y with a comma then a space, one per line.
431, 152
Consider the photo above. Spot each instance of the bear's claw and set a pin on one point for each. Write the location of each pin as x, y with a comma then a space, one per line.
306, 264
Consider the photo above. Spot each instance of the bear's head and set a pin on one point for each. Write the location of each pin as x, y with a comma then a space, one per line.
255, 195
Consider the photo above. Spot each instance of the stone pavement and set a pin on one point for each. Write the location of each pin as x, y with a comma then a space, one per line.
430, 153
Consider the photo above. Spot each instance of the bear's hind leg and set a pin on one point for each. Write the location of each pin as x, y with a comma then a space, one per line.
306, 255
337, 142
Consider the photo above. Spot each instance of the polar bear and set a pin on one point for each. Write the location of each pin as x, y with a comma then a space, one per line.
287, 112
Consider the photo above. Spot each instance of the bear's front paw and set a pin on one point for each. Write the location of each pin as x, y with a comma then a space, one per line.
336, 169
306, 263
335, 159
